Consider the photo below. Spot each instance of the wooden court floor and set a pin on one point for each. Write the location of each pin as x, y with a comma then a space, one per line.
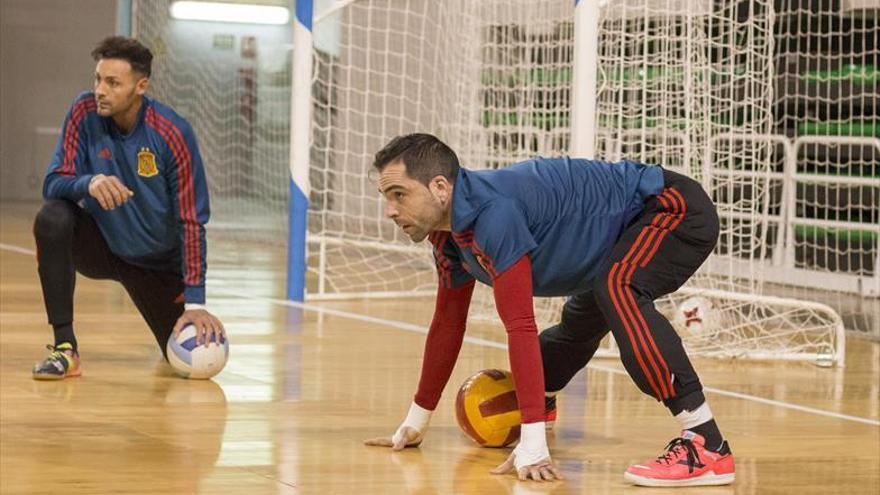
305, 386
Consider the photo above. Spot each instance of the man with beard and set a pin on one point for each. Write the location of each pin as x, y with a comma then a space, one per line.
612, 237
126, 200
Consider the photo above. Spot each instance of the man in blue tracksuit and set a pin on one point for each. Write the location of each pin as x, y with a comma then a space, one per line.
126, 200
613, 237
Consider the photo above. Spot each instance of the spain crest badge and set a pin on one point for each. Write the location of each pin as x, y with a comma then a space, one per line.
147, 163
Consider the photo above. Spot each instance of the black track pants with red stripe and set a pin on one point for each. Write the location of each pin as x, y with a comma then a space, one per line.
656, 254
69, 241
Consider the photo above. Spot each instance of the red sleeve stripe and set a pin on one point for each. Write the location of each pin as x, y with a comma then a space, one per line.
167, 136
71, 134
180, 158
185, 195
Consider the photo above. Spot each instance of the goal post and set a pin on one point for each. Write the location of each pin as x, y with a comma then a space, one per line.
300, 145
585, 68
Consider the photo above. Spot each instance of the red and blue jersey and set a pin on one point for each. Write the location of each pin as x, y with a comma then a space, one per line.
566, 214
163, 225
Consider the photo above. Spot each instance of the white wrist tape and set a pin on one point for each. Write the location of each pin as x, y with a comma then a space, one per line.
192, 306
532, 445
417, 418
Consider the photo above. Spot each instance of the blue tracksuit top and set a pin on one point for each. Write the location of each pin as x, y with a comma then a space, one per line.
162, 226
565, 213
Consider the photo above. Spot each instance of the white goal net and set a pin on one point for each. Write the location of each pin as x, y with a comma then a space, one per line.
693, 85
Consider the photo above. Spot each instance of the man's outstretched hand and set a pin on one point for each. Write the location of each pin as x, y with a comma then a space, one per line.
404, 437
543, 470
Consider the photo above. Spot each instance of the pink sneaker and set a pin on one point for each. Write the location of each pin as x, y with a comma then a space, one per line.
686, 462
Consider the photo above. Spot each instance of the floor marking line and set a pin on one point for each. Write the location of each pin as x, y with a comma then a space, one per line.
497, 345
409, 327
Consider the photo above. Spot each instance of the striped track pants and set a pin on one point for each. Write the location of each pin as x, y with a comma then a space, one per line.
656, 254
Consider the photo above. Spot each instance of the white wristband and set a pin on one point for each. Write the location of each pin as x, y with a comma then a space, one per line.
193, 306
532, 446
417, 418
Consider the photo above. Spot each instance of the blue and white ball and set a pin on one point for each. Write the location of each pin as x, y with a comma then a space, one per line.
191, 360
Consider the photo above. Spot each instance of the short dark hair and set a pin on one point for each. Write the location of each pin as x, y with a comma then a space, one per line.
128, 49
424, 156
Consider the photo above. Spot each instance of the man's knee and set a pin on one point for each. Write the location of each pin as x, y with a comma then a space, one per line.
576, 322
55, 221
581, 320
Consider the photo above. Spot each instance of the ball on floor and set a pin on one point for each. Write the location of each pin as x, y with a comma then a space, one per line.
487, 410
191, 360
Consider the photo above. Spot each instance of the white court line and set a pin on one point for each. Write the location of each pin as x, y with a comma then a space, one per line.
409, 327
497, 345
16, 249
